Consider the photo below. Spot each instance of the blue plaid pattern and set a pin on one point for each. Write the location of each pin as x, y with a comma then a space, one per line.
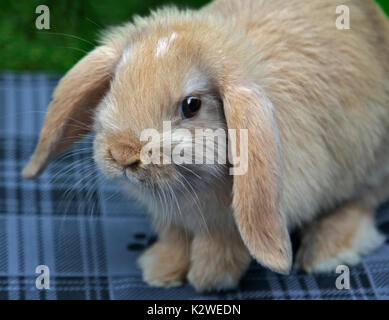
89, 234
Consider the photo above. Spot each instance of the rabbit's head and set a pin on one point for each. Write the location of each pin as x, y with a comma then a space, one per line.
159, 99
169, 78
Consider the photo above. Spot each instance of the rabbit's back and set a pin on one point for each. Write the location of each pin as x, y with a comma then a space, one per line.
330, 90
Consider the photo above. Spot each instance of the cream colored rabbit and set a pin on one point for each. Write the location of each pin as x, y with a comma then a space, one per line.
315, 102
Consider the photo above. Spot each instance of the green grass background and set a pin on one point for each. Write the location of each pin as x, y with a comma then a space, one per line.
75, 25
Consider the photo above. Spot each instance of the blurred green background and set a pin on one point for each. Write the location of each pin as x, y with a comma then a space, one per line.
74, 27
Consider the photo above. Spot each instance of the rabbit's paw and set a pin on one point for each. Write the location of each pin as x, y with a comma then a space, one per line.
341, 238
164, 264
217, 263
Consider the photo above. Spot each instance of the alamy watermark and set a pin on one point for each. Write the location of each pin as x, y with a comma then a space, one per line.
43, 280
343, 20
197, 146
43, 20
343, 281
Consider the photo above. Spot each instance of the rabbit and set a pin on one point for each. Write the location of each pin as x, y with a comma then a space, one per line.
313, 99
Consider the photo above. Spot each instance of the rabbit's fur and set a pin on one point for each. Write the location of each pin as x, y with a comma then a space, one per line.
315, 102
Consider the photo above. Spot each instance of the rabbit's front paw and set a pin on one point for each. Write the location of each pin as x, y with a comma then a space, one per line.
217, 263
164, 264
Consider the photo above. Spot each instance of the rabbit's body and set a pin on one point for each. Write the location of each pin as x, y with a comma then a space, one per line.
323, 82
315, 102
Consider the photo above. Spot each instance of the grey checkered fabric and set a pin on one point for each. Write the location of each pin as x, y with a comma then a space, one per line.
89, 235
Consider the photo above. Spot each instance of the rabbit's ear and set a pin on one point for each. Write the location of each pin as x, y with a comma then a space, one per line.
256, 192
70, 113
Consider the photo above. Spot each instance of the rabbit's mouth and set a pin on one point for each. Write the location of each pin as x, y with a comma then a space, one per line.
174, 178
154, 177
149, 176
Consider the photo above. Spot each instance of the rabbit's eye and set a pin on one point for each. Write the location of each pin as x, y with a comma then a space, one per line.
190, 106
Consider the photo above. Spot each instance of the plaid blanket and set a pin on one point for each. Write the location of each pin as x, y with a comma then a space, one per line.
89, 235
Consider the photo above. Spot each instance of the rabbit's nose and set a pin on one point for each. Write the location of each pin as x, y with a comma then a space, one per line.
127, 162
